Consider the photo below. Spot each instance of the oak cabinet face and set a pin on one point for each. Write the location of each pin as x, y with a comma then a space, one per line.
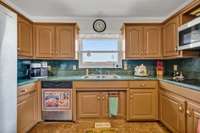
133, 41
65, 42
44, 41
152, 41
25, 42
170, 38
143, 104
55, 41
172, 112
95, 104
143, 41
192, 117
88, 104
27, 113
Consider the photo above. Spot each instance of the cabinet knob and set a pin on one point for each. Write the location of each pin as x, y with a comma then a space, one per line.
23, 91
142, 85
180, 108
18, 49
98, 98
103, 98
189, 113
131, 96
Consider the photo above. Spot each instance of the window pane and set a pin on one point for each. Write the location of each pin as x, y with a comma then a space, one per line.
100, 45
100, 57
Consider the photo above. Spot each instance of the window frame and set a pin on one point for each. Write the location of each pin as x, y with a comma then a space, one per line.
117, 64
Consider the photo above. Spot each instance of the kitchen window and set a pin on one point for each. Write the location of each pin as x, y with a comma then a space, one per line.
100, 51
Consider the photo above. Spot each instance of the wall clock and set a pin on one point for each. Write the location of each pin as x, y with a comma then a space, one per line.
99, 25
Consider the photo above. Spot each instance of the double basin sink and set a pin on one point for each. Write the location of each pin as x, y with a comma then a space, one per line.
101, 76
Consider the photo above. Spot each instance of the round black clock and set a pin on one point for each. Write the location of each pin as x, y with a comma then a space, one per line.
99, 25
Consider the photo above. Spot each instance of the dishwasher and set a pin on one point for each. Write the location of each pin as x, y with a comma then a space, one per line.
57, 100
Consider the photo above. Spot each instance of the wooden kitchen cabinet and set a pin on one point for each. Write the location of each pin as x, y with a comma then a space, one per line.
25, 40
65, 41
142, 102
55, 41
44, 41
172, 112
27, 108
142, 41
170, 39
89, 104
133, 41
95, 104
192, 116
152, 42
170, 30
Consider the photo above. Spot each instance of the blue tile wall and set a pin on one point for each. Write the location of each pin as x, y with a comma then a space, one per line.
65, 68
22, 69
189, 67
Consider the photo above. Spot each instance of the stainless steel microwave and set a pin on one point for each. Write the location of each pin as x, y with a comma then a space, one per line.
189, 35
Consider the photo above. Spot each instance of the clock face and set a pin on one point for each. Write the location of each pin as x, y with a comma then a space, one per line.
99, 25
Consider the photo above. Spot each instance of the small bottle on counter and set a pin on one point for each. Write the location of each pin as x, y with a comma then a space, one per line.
159, 69
125, 65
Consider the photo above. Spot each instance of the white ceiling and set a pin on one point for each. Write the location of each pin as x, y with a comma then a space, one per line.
99, 8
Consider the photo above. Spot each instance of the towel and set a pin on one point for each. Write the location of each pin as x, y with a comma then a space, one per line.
113, 106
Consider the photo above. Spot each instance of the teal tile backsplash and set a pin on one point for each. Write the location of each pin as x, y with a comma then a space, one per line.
65, 68
189, 67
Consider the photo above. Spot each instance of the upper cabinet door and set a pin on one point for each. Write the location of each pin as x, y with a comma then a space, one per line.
170, 37
133, 41
65, 41
25, 45
152, 41
44, 41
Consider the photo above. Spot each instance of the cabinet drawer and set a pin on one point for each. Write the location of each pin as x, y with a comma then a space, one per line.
22, 90
143, 84
100, 84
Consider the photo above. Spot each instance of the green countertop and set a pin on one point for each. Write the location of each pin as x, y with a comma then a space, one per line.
190, 86
122, 78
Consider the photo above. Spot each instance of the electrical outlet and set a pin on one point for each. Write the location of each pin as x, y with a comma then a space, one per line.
74, 67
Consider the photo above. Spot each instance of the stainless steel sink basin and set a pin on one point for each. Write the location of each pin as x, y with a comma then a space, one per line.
101, 76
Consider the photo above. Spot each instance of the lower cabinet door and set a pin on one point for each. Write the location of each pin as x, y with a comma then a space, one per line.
142, 104
27, 113
88, 105
193, 117
172, 112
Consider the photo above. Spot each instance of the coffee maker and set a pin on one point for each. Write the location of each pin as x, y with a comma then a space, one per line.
39, 70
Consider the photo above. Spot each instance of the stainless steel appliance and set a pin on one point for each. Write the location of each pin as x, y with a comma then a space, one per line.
57, 100
39, 70
189, 35
8, 70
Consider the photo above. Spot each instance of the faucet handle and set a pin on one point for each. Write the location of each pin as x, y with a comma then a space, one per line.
87, 72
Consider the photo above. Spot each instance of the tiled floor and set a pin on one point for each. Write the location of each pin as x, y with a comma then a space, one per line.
85, 126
